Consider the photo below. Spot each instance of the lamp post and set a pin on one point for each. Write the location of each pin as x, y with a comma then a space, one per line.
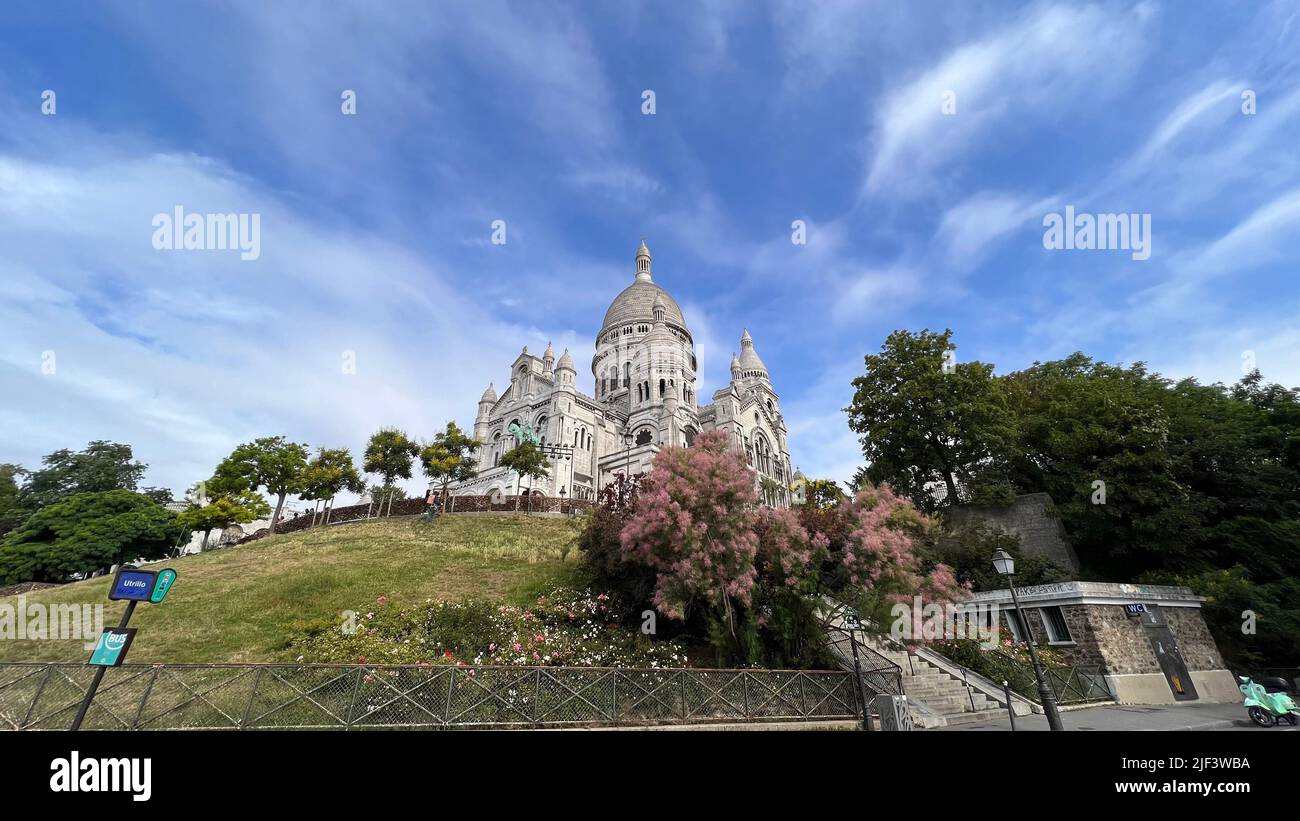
562, 511
1006, 566
627, 467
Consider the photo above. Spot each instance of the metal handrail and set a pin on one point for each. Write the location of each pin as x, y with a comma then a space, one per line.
1076, 684
880, 674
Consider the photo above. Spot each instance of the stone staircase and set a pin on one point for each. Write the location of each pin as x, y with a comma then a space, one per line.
938, 698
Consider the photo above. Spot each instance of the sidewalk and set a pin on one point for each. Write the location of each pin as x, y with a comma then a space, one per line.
1150, 717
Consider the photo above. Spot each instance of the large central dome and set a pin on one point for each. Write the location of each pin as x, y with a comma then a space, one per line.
636, 302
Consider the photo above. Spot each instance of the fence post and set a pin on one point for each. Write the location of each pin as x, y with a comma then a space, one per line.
40, 688
352, 702
451, 685
537, 695
681, 676
744, 688
252, 696
1011, 709
148, 688
613, 713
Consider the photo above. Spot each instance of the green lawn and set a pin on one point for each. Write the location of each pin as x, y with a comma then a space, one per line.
242, 604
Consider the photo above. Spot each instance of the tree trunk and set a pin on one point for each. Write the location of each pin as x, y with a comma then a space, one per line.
952, 487
329, 510
204, 545
279, 505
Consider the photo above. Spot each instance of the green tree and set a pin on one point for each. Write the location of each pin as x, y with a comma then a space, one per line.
85, 533
222, 512
389, 453
101, 466
525, 459
924, 418
161, 495
330, 473
968, 549
1101, 440
450, 457
269, 463
11, 510
823, 493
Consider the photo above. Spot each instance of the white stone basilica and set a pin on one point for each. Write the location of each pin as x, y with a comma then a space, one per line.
643, 399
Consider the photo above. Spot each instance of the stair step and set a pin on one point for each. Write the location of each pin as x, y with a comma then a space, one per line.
998, 714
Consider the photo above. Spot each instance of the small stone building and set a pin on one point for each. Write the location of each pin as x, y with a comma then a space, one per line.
1151, 640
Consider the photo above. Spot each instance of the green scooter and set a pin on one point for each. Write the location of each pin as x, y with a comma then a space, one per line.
1267, 709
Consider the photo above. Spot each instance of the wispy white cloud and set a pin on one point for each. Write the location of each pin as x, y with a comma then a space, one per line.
1012, 76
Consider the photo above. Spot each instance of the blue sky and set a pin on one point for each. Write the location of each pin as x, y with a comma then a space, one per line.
375, 228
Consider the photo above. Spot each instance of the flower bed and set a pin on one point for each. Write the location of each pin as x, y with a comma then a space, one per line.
564, 628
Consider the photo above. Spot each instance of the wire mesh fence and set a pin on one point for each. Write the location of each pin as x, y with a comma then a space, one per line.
36, 696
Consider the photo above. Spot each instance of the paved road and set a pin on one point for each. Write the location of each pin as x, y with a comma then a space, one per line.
1136, 717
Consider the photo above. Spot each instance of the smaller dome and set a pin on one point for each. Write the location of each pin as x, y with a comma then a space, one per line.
749, 361
489, 395
550, 352
566, 362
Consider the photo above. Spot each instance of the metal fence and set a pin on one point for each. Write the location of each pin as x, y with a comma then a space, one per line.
35, 696
1074, 684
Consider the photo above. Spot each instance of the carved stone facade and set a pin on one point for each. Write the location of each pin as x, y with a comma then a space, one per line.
643, 398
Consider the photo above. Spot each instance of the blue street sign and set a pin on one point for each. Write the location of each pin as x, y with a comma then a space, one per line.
165, 580
1131, 610
132, 584
111, 649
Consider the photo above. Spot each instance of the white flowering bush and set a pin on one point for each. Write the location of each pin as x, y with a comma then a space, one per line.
563, 628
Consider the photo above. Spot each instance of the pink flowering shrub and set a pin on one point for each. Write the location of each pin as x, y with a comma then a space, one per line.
694, 527
787, 556
751, 579
882, 550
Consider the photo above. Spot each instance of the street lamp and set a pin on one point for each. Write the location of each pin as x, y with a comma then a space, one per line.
562, 511
627, 467
1006, 566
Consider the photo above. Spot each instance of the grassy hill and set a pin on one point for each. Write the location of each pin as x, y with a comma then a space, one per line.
241, 604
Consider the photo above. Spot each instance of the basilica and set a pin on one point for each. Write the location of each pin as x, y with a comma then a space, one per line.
643, 398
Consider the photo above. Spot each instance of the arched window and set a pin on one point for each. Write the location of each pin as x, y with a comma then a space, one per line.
662, 388
644, 437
